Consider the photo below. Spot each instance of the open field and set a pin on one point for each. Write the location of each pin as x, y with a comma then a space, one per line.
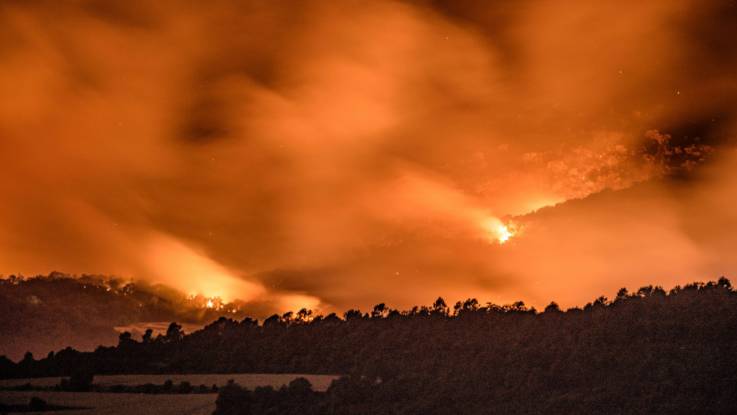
128, 403
249, 380
118, 403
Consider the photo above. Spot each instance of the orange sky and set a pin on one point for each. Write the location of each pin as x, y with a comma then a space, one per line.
339, 154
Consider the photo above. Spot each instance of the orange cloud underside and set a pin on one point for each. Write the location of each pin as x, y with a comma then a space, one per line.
331, 155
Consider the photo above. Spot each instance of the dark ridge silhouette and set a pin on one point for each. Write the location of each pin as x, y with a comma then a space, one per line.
45, 313
649, 351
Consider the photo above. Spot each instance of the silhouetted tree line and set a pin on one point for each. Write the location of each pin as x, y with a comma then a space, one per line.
647, 351
86, 385
297, 398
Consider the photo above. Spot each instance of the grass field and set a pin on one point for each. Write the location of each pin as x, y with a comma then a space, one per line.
131, 403
119, 403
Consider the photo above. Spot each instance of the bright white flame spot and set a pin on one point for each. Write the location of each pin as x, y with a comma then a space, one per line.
498, 230
209, 304
503, 233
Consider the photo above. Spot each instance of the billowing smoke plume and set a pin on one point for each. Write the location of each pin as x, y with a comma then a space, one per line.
337, 154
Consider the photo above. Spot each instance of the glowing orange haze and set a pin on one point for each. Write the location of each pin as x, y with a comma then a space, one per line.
338, 154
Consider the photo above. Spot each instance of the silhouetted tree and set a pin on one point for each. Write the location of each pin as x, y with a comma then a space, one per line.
148, 336
272, 321
125, 339
724, 283
304, 315
379, 311
439, 307
174, 333
352, 315
552, 308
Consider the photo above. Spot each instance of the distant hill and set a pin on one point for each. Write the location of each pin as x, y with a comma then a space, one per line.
46, 313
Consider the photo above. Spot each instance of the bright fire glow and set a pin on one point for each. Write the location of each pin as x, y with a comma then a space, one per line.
498, 231
209, 304
295, 302
173, 262
503, 233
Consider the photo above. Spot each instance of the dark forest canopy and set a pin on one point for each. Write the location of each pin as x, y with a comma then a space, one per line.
668, 351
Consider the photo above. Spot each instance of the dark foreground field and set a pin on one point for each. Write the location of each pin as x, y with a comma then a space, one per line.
117, 403
19, 391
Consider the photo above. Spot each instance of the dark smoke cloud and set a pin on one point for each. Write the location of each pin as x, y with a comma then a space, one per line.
336, 155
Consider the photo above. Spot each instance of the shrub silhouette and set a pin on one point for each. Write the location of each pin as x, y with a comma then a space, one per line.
37, 404
80, 381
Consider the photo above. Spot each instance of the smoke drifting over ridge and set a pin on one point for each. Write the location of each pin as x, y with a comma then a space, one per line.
345, 153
